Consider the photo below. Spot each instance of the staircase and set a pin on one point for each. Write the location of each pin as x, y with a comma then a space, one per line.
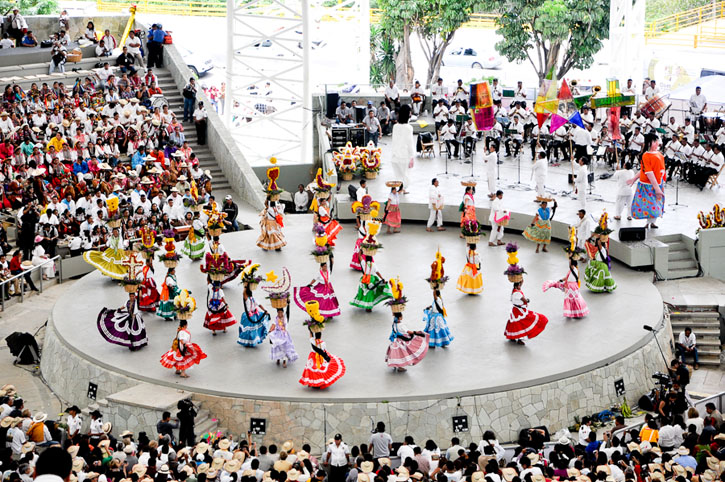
705, 324
205, 422
681, 262
176, 104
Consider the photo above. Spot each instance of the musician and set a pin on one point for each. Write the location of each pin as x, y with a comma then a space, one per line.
417, 96
516, 136
636, 144
671, 159
720, 137
689, 131
530, 121
712, 166
582, 139
448, 134
439, 92
686, 151
587, 116
629, 90
392, 96
461, 95
637, 121
605, 150
440, 114
652, 90
494, 137
519, 93
456, 110
496, 92
651, 124
539, 143
560, 143
696, 162
672, 128
385, 118
625, 124
698, 105
468, 134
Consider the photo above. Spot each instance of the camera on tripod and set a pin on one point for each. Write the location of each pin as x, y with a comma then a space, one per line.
664, 380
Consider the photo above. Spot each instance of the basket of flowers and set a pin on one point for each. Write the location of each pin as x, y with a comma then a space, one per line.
279, 300
471, 231
169, 256
130, 285
185, 305
114, 215
371, 165
322, 254
398, 301
370, 249
250, 277
515, 273
437, 284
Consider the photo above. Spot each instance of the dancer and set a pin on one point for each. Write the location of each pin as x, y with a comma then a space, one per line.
123, 326
468, 205
282, 347
498, 218
109, 261
271, 223
194, 244
392, 207
436, 325
253, 325
148, 293
649, 198
322, 368
574, 304
582, 182
356, 261
319, 289
403, 148
522, 323
218, 316
407, 348
623, 201
539, 231
183, 354
491, 159
596, 275
372, 289
169, 290
332, 227
471, 279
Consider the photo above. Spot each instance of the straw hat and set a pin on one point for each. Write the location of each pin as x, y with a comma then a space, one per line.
632, 446
233, 466
73, 451
403, 474
35, 129
78, 464
363, 478
139, 470
217, 463
573, 472
134, 100
508, 474
604, 468
104, 443
384, 461
683, 451
477, 477
202, 468
224, 444
534, 458
177, 154
156, 122
540, 478
416, 476
240, 456
66, 123
6, 422
123, 102
40, 416
366, 466
107, 427
126, 433
292, 474
678, 470
104, 166
92, 475
182, 178
163, 470
27, 447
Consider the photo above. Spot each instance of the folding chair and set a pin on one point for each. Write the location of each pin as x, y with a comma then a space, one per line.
712, 181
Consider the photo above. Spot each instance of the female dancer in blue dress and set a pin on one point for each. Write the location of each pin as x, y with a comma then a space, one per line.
253, 325
435, 323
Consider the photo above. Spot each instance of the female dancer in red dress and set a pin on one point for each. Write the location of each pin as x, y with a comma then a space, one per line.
522, 322
148, 293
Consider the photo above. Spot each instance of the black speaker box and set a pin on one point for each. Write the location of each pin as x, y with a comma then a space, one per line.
632, 234
333, 98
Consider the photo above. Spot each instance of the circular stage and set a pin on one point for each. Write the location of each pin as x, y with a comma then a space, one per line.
479, 361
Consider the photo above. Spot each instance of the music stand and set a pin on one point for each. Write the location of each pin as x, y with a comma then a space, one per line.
446, 175
677, 204
519, 185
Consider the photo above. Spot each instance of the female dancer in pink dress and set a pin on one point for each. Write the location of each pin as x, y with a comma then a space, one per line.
356, 262
574, 304
319, 289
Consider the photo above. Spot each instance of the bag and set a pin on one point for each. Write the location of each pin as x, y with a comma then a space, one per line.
461, 208
189, 94
46, 44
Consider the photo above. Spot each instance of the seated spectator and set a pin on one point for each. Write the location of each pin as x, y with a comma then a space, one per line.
7, 42
125, 61
103, 50
29, 40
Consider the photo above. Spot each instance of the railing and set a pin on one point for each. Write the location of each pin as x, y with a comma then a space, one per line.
4, 289
684, 19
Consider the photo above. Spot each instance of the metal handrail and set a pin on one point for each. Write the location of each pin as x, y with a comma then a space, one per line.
684, 19
29, 271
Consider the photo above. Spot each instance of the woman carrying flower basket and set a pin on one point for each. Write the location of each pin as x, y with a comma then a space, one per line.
574, 304
110, 261
372, 289
169, 290
407, 348
283, 349
471, 279
392, 208
522, 323
123, 326
271, 223
331, 226
194, 244
597, 275
322, 368
356, 261
540, 229
436, 325
218, 315
468, 205
183, 353
148, 293
253, 325
319, 289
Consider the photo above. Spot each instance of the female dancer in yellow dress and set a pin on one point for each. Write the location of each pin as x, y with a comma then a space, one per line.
471, 279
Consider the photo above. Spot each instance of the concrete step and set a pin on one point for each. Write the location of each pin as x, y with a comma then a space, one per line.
686, 263
708, 360
695, 324
676, 246
679, 273
678, 255
695, 309
695, 314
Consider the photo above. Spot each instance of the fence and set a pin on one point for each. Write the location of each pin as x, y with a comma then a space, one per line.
20, 277
706, 28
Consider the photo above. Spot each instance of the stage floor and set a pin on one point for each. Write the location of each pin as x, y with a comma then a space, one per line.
479, 360
681, 219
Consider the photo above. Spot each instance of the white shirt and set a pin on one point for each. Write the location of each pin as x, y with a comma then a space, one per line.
673, 147
361, 191
440, 113
717, 159
541, 168
133, 45
435, 197
651, 92
7, 43
687, 341
697, 103
200, 113
636, 143
689, 133
338, 454
301, 199
74, 424
584, 430
18, 440
519, 128
582, 137
448, 132
581, 176
490, 160
392, 92
405, 451
621, 177
439, 92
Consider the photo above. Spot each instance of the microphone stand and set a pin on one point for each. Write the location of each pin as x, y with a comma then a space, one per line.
654, 335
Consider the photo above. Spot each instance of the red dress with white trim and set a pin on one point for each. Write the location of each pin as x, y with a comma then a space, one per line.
522, 322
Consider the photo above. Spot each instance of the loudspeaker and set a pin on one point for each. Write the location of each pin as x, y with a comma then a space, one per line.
24, 347
360, 112
590, 178
632, 234
333, 98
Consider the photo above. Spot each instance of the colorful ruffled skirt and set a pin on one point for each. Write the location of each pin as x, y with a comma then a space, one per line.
120, 328
436, 327
323, 294
645, 204
597, 277
108, 262
219, 319
468, 282
166, 309
403, 352
539, 233
372, 293
282, 346
393, 218
148, 296
194, 250
253, 330
174, 359
355, 262
524, 323
319, 373
574, 304
271, 236
332, 229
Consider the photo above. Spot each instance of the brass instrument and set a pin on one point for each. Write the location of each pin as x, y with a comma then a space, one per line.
573, 83
597, 88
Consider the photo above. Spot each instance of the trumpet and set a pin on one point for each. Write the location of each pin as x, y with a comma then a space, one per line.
573, 83
597, 88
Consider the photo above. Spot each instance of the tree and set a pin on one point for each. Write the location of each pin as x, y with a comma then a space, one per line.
30, 7
436, 22
395, 22
382, 56
558, 34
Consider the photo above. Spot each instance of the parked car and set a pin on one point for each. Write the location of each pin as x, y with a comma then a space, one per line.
470, 58
199, 64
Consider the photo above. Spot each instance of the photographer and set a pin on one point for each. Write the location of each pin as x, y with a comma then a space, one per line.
185, 416
679, 373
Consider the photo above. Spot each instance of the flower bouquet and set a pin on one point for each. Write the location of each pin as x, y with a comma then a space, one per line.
278, 289
130, 285
169, 257
398, 301
185, 305
215, 224
250, 277
370, 249
322, 254
114, 215
437, 279
515, 273
437, 284
471, 230
371, 165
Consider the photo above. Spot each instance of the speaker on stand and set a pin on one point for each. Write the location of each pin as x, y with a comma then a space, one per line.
333, 98
632, 234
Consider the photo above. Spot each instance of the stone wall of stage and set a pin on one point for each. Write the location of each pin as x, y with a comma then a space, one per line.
553, 404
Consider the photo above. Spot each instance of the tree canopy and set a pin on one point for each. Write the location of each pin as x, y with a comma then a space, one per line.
30, 7
558, 34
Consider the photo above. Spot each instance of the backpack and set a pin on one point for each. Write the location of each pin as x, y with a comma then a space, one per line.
189, 93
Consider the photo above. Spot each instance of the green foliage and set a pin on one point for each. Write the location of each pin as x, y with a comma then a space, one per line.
662, 8
382, 56
31, 7
563, 34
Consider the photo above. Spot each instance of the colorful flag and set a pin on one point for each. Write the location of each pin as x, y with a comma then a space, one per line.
481, 106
